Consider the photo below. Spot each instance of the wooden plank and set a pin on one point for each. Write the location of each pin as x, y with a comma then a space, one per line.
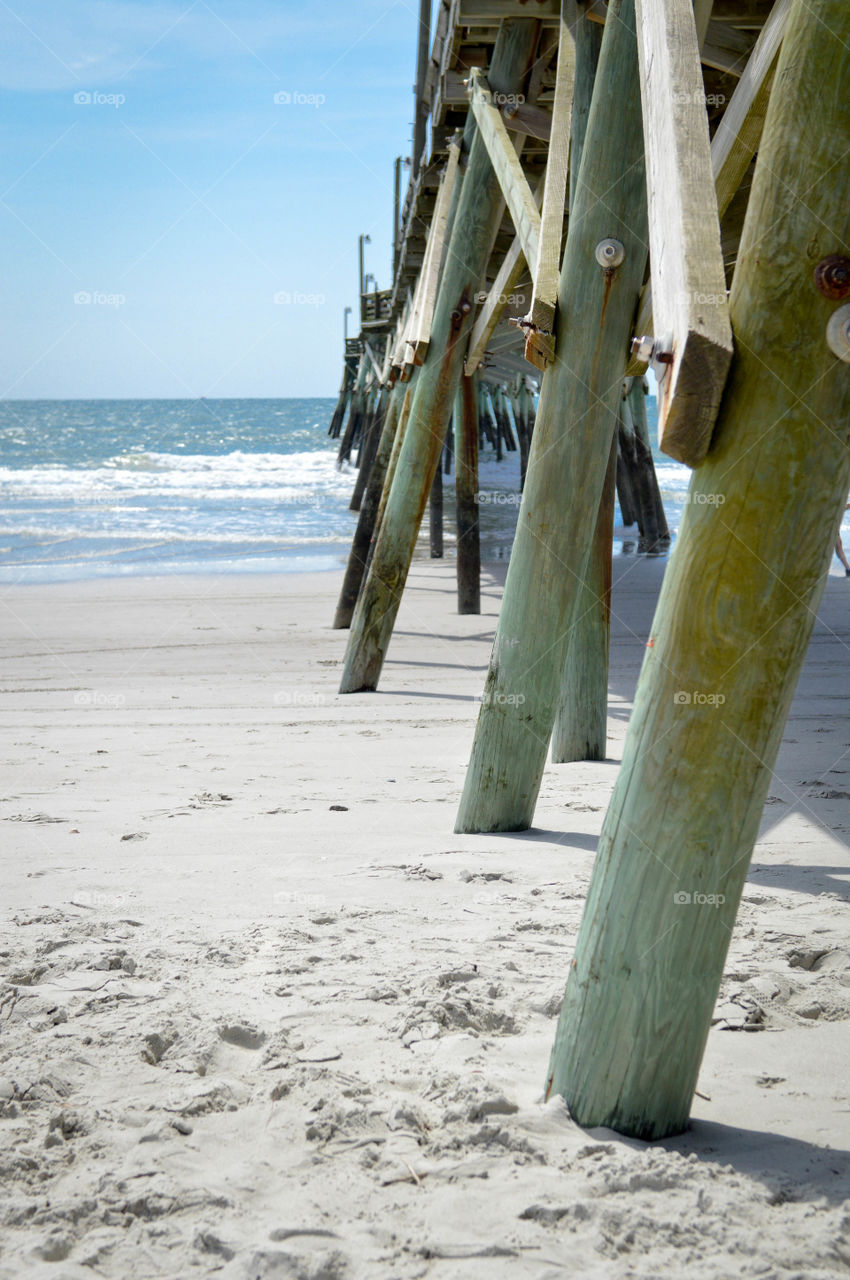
702, 14
736, 138
375, 366
506, 166
570, 448
519, 117
732, 627
434, 254
540, 322
691, 313
475, 13
726, 48
494, 300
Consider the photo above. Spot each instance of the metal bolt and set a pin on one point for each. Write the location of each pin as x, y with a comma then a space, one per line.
838, 333
610, 253
832, 277
642, 347
657, 352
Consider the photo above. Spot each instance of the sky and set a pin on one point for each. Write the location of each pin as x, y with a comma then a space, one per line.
182, 186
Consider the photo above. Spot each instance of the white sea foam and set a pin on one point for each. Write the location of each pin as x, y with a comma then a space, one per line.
266, 477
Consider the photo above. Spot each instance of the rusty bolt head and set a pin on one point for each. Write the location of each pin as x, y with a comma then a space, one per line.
832, 277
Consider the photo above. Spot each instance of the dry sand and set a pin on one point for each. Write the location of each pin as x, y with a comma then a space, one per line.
264, 1015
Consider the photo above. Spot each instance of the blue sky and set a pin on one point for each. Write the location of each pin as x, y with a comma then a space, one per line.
147, 166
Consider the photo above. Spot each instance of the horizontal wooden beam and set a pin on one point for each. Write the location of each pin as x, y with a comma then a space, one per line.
532, 121
474, 13
506, 166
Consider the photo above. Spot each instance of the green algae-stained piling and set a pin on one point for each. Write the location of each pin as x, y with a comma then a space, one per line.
367, 520
731, 628
581, 722
475, 225
576, 423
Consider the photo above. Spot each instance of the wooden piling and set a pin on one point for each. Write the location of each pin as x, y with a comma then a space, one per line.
479, 210
580, 731
625, 494
576, 422
371, 436
355, 412
338, 416
358, 555
641, 475
636, 397
466, 497
435, 512
581, 720
731, 628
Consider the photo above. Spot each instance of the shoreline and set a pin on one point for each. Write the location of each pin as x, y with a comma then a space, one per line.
256, 991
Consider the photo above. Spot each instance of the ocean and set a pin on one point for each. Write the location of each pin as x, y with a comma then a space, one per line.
101, 488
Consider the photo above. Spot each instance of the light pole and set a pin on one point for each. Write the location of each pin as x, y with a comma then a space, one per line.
361, 240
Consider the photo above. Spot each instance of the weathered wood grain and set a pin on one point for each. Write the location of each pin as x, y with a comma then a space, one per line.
506, 166
576, 421
688, 282
494, 300
730, 633
473, 229
539, 343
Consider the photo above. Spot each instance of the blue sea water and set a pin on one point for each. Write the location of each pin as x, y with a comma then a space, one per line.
92, 488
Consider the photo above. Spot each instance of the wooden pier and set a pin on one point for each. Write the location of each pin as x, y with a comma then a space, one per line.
598, 188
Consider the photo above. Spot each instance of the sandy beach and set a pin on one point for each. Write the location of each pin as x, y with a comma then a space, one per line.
264, 1015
